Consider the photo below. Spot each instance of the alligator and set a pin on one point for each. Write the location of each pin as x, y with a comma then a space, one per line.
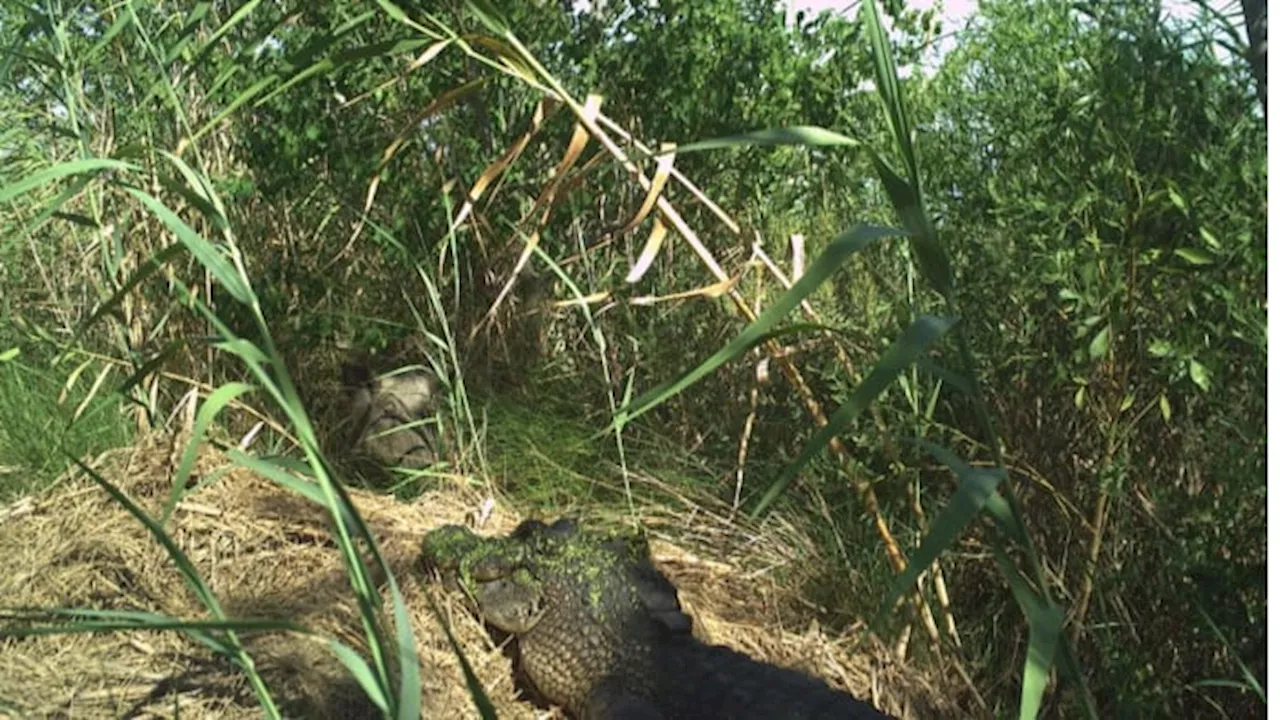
599, 631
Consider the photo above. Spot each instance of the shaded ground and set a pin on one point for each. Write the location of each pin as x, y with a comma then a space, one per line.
267, 553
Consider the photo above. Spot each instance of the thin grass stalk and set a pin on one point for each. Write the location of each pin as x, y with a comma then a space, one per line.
602, 346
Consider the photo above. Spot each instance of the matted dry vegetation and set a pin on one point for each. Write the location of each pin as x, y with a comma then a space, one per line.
267, 553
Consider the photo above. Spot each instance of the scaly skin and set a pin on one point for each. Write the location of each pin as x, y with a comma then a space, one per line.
600, 632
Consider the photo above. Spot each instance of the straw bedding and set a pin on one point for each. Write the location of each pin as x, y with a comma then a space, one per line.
267, 553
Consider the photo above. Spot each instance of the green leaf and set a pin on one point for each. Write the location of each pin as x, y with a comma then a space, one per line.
1046, 621
935, 265
228, 643
1199, 374
360, 670
831, 260
248, 94
245, 350
796, 135
10, 354
484, 11
185, 567
1100, 343
198, 186
1160, 348
409, 697
912, 343
1210, 239
886, 78
324, 64
1195, 256
484, 706
242, 12
1250, 681
1165, 410
996, 506
52, 208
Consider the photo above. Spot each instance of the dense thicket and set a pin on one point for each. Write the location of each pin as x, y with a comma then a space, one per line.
1096, 171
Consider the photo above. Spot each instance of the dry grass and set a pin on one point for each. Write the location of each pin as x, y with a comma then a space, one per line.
267, 552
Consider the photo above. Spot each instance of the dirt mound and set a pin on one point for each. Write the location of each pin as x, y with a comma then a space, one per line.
267, 553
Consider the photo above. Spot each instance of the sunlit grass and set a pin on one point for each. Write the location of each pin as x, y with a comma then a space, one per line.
35, 428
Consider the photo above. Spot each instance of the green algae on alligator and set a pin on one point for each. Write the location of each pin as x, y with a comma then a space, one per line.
599, 630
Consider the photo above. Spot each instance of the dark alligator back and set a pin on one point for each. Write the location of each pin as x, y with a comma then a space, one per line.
713, 681
609, 640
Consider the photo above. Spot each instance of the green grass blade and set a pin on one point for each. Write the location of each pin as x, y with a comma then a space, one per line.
954, 379
76, 167
1230, 684
483, 705
1045, 620
394, 48
122, 20
198, 184
906, 195
917, 338
935, 264
997, 506
245, 350
236, 18
150, 366
91, 620
312, 70
52, 208
409, 706
809, 135
361, 671
148, 268
209, 409
185, 566
281, 476
976, 488
202, 249
1068, 662
193, 580
1250, 680
195, 16
1046, 630
245, 96
484, 11
831, 260
886, 77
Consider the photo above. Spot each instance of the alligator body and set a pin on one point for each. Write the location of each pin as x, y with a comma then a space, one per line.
599, 631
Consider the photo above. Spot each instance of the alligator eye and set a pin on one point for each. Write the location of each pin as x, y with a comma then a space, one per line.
497, 560
445, 547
